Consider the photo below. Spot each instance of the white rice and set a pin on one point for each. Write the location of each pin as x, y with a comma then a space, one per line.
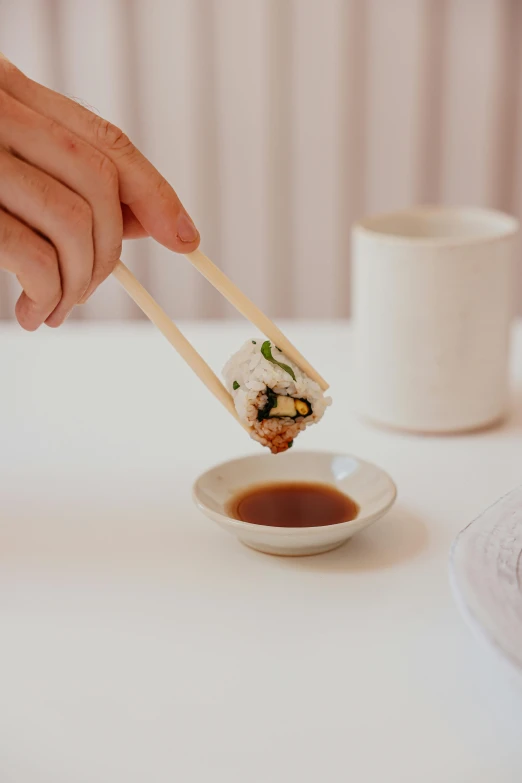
255, 374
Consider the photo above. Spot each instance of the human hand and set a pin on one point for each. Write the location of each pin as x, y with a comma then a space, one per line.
72, 186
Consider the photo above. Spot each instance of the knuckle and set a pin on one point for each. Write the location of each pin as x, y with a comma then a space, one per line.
65, 138
79, 213
9, 73
8, 235
109, 136
107, 173
4, 100
42, 186
10, 109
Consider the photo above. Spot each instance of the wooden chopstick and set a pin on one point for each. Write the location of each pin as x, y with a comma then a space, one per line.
168, 328
248, 309
243, 305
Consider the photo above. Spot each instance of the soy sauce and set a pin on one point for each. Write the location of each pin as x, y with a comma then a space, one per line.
293, 505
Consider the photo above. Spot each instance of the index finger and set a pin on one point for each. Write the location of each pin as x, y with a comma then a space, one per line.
142, 188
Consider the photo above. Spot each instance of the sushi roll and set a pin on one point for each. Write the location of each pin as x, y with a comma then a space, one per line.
272, 396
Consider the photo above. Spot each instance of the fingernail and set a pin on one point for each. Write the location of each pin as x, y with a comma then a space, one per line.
186, 230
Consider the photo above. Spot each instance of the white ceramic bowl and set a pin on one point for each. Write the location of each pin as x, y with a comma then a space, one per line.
371, 488
486, 575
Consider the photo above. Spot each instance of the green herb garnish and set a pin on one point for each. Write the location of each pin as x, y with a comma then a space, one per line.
235, 385
266, 350
254, 342
290, 444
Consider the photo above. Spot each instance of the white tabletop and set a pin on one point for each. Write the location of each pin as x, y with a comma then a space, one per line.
139, 642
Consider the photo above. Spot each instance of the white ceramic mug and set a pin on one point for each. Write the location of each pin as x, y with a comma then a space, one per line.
432, 308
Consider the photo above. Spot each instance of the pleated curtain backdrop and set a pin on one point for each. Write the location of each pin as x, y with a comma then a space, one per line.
280, 122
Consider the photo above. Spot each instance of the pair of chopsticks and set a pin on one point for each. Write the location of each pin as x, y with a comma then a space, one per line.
237, 299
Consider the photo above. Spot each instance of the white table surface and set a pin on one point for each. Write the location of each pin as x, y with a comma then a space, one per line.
139, 642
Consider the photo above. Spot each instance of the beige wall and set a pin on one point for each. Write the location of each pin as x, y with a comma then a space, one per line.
282, 121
